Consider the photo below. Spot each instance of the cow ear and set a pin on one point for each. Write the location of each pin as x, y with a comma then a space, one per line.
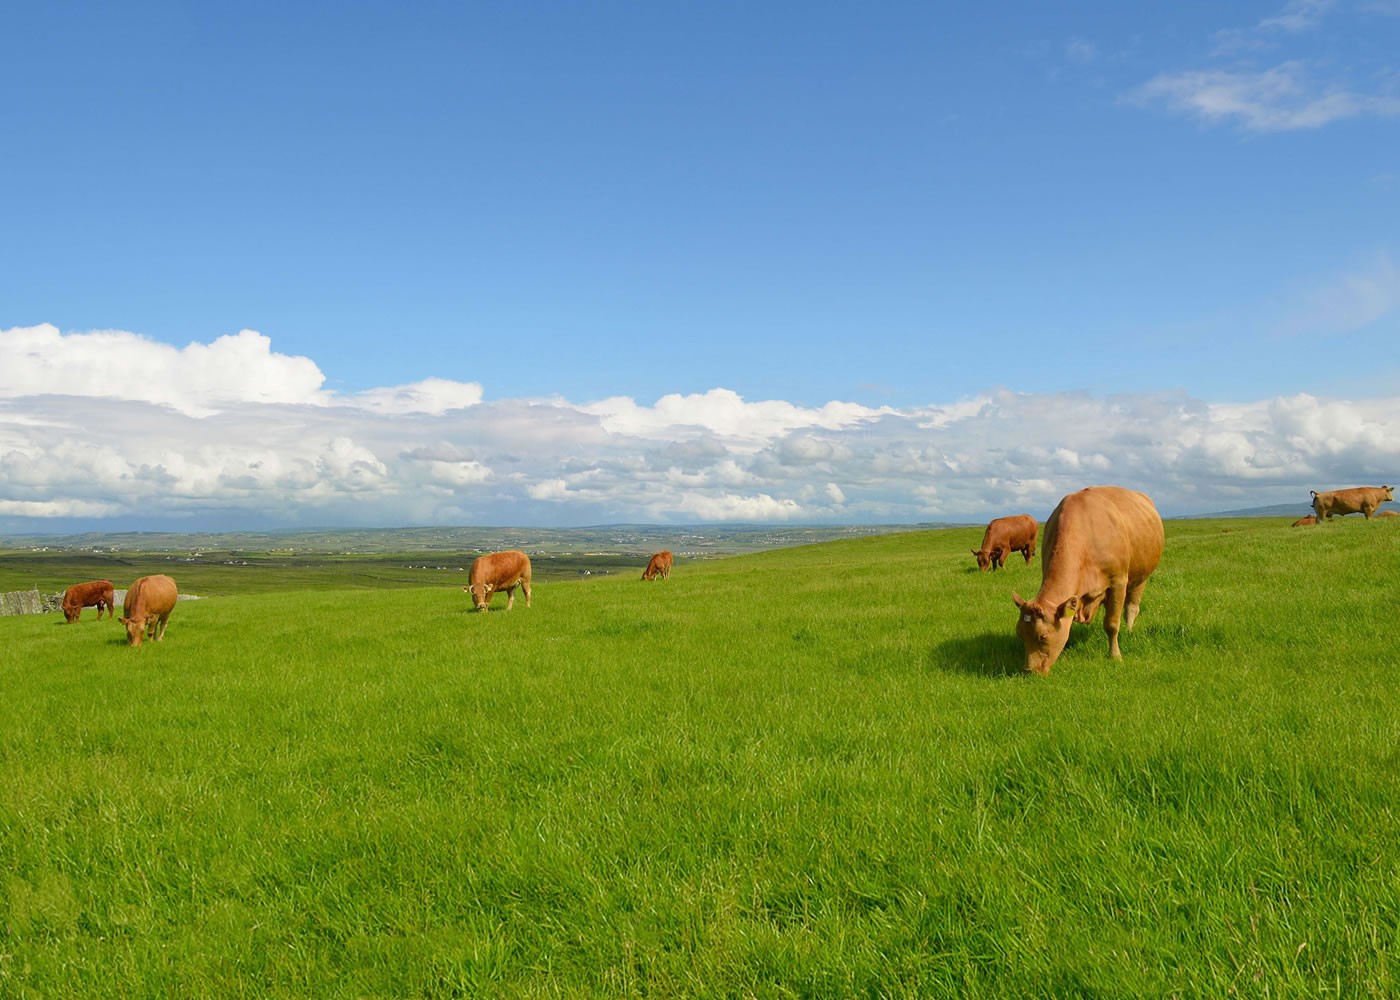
1066, 609
1017, 598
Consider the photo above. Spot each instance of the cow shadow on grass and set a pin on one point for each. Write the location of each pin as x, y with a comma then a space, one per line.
990, 654
1001, 654
993, 654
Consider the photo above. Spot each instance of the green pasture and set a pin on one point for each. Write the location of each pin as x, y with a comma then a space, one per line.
812, 772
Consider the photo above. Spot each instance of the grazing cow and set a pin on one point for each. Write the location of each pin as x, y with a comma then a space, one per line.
147, 608
1004, 536
1304, 521
658, 565
1101, 545
499, 571
86, 595
1363, 500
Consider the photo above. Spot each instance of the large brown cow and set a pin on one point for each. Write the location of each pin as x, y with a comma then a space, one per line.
1101, 545
1004, 536
1388, 513
499, 571
658, 565
1304, 521
1362, 500
147, 608
97, 593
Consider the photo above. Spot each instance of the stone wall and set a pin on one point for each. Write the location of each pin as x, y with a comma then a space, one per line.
29, 602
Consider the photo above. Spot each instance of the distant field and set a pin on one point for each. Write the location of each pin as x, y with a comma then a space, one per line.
816, 771
227, 573
234, 563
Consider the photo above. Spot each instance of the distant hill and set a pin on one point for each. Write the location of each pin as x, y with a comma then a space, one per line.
692, 541
1276, 510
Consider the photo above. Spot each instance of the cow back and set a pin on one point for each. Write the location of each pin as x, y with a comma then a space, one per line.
501, 569
150, 595
87, 594
1110, 529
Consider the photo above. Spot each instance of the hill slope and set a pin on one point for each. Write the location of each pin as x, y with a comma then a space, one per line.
817, 771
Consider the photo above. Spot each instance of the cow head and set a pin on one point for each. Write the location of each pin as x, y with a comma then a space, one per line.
135, 629
481, 594
70, 613
984, 559
1044, 630
1389, 492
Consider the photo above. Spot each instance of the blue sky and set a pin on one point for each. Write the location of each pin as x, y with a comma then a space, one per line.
537, 208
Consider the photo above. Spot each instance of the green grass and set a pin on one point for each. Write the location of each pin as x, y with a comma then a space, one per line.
811, 772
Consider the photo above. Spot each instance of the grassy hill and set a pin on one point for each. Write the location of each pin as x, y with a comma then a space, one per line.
817, 771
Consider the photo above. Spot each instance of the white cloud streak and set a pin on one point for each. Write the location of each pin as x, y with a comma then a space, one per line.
1298, 16
280, 450
1279, 99
1352, 300
1284, 97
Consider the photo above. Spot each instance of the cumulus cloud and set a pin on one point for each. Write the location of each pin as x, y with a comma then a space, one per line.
724, 413
443, 453
114, 364
198, 379
433, 395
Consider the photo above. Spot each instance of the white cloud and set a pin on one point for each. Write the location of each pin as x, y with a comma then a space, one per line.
433, 395
1298, 16
714, 456
40, 360
1280, 99
725, 413
1081, 50
731, 507
199, 379
55, 508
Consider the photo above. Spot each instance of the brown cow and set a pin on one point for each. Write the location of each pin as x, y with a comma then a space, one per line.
658, 565
1101, 545
147, 608
86, 595
499, 571
1362, 500
1004, 536
1388, 513
1304, 521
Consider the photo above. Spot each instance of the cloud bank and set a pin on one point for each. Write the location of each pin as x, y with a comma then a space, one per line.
111, 427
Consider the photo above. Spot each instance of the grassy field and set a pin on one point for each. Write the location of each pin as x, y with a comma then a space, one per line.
811, 772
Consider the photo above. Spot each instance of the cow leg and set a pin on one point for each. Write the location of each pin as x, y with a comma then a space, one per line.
1112, 614
1130, 612
510, 598
525, 586
162, 621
